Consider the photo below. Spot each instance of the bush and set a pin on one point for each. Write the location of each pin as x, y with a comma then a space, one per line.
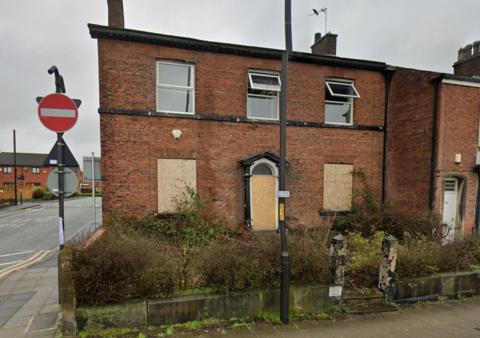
118, 267
368, 216
418, 257
121, 266
363, 259
38, 194
193, 224
48, 195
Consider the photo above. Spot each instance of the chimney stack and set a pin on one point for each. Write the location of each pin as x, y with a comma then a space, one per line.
115, 13
468, 63
326, 45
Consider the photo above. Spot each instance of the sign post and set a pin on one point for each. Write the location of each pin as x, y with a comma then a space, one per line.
92, 172
93, 192
59, 113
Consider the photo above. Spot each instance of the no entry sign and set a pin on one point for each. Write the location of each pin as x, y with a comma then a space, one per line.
57, 112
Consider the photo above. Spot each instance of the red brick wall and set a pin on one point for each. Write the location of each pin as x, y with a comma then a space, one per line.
458, 134
409, 149
131, 145
469, 67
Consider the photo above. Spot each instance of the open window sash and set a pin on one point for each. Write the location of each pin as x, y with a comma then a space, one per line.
267, 82
342, 89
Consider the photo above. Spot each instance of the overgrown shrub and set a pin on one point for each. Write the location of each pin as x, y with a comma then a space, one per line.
193, 224
48, 195
241, 264
38, 193
418, 257
119, 266
363, 259
369, 216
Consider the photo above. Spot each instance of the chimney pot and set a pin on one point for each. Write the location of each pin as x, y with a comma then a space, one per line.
115, 13
318, 36
325, 45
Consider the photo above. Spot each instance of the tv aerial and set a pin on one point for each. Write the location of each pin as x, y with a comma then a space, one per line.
317, 12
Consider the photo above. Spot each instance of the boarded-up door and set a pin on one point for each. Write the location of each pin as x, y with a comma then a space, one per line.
264, 210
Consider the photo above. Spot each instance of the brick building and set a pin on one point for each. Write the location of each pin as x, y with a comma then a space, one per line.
432, 146
30, 169
176, 111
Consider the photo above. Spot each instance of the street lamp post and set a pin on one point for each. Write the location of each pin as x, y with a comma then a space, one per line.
284, 285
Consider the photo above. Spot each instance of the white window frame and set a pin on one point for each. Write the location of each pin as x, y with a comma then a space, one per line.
350, 98
168, 86
269, 88
349, 84
7, 170
266, 87
35, 170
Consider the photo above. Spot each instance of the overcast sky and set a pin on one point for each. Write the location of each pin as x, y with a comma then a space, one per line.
35, 34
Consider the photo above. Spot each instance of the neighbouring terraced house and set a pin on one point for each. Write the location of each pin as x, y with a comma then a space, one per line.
179, 111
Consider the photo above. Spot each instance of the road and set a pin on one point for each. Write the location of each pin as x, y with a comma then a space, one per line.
28, 264
26, 232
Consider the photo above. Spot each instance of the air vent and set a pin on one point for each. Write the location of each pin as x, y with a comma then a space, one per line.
450, 185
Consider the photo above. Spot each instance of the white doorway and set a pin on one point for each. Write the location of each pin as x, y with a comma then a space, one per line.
450, 192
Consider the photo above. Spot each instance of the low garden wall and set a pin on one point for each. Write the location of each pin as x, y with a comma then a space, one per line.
442, 285
311, 299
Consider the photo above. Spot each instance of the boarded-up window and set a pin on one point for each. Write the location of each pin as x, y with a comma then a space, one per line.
174, 175
337, 187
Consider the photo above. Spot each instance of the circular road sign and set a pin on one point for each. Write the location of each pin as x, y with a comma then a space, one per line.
71, 182
57, 112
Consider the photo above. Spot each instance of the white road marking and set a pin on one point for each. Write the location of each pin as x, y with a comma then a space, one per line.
16, 253
10, 263
29, 324
37, 257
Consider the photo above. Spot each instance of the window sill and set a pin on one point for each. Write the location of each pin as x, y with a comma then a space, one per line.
334, 213
259, 119
339, 124
174, 113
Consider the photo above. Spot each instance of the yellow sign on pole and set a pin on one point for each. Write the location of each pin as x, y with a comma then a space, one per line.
282, 212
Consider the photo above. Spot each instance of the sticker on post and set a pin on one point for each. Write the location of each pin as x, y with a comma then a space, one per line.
283, 193
61, 234
281, 212
335, 291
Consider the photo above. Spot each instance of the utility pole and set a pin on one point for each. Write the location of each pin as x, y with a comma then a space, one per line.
283, 193
15, 165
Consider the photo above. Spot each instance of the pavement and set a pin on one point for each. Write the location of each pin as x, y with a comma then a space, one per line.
449, 319
28, 263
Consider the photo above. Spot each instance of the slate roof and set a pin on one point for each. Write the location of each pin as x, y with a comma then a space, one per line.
23, 159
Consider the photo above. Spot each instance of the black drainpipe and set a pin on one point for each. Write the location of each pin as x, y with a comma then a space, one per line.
477, 205
389, 71
436, 90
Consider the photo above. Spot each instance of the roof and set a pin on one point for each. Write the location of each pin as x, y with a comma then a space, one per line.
105, 32
23, 159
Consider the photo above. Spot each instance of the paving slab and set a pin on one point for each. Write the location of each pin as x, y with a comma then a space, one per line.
30, 309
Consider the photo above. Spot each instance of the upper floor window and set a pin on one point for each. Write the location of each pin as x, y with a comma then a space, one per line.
339, 95
175, 87
262, 100
35, 170
7, 170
